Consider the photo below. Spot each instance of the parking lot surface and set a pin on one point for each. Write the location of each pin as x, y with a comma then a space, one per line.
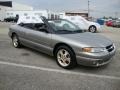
27, 69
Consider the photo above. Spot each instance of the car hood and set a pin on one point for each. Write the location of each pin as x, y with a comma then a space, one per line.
88, 39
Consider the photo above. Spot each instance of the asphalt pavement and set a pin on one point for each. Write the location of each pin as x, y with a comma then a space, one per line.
27, 69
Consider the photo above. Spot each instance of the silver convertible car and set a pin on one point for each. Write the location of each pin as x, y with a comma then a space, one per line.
65, 41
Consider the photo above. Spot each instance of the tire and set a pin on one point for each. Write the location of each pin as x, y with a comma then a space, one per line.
93, 29
61, 54
15, 41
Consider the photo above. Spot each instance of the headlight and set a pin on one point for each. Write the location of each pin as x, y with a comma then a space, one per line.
93, 50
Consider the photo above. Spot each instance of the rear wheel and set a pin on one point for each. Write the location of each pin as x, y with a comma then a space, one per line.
15, 41
92, 29
65, 57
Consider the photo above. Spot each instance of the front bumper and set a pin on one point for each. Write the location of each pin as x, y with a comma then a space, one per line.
95, 60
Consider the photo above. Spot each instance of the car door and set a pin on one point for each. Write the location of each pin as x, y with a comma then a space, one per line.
39, 39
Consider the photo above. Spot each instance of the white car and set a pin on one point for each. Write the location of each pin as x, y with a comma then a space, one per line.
83, 23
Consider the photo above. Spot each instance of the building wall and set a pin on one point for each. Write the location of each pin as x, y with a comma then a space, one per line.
83, 14
27, 13
77, 14
15, 7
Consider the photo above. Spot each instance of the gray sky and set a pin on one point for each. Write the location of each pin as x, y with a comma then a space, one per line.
98, 8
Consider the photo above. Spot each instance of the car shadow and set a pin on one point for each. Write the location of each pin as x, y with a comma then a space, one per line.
36, 52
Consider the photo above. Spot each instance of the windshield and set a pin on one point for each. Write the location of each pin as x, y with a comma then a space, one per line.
64, 26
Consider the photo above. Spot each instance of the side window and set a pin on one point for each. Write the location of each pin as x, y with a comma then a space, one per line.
25, 14
27, 25
40, 27
35, 26
28, 17
7, 13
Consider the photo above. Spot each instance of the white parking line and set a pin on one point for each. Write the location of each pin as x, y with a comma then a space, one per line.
59, 71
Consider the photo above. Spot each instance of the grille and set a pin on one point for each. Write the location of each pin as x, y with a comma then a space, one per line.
110, 48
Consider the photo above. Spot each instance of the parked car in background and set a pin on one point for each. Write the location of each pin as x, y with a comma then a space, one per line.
109, 23
116, 23
11, 19
83, 23
100, 21
64, 40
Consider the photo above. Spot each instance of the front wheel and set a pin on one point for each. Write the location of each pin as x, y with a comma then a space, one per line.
65, 57
15, 41
92, 29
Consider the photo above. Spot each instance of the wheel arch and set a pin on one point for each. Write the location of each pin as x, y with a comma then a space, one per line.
62, 44
13, 33
92, 26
